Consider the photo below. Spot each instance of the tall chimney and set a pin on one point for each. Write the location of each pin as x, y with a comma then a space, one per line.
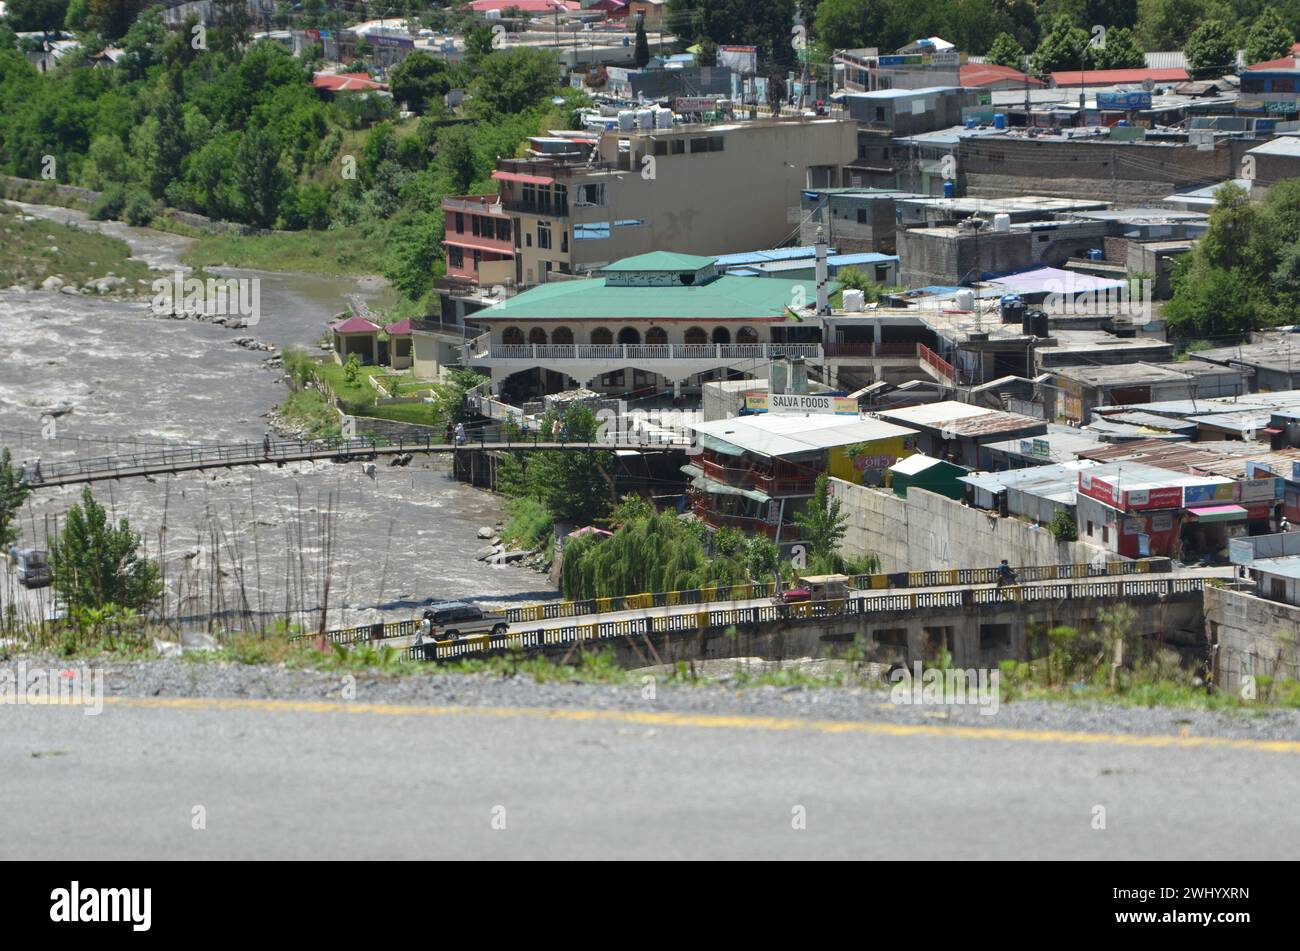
823, 300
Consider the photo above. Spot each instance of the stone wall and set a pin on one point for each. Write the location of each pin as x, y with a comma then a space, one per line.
1254, 636
927, 532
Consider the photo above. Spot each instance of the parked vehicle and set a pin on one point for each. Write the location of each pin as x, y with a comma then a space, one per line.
455, 619
32, 565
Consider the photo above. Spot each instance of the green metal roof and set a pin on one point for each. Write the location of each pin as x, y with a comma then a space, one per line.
725, 297
660, 261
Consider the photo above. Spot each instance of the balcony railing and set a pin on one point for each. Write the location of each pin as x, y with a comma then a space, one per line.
676, 351
474, 204
752, 478
905, 348
745, 523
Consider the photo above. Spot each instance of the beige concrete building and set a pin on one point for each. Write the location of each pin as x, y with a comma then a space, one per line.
693, 189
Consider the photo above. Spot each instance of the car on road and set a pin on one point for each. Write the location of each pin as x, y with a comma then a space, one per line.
32, 565
460, 619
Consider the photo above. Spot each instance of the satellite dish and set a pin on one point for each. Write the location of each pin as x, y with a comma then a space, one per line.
1148, 84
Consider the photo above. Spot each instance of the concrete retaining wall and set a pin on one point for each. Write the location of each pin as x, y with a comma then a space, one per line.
1254, 636
926, 532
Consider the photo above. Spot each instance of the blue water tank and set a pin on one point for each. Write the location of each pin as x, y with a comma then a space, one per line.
1122, 122
999, 120
949, 189
972, 123
1094, 254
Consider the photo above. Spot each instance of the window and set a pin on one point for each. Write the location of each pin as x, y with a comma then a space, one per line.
717, 143
530, 194
474, 225
503, 230
512, 336
601, 336
478, 256
699, 145
656, 335
880, 113
562, 335
591, 196
678, 147
528, 239
1090, 528
564, 241
746, 335
659, 147
721, 335
882, 273
629, 336
455, 256
1105, 534
696, 335
862, 216
460, 223
995, 637
543, 236
537, 336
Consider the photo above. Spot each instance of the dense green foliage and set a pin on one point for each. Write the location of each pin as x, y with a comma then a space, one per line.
1245, 273
575, 486
1268, 38
12, 495
651, 551
1211, 49
238, 132
97, 564
1006, 51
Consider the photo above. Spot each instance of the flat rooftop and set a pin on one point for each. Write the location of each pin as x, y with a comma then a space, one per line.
790, 434
1130, 374
961, 420
1277, 355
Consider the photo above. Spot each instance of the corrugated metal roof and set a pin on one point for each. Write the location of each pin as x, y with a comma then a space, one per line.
789, 434
960, 419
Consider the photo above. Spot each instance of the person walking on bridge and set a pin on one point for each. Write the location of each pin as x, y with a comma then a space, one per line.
460, 433
266, 444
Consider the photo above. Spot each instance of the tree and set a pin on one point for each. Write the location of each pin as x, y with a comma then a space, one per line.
258, 180
1006, 51
1267, 38
419, 80
576, 486
766, 24
1063, 48
96, 564
1168, 24
822, 524
1211, 49
31, 15
13, 493
1121, 51
510, 81
641, 54
113, 18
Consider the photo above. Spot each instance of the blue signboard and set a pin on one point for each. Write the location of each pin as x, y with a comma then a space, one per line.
1127, 101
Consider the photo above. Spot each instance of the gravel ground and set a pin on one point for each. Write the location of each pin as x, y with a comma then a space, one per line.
192, 678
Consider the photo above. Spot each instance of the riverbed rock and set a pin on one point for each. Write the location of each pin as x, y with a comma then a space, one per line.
483, 554
69, 289
52, 283
198, 641
486, 532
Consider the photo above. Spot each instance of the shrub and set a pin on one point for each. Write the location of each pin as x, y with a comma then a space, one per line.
1063, 527
139, 209
110, 204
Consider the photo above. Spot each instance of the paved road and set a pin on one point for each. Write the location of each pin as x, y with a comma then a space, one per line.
328, 779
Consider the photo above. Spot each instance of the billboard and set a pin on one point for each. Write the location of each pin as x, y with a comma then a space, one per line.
801, 403
1126, 101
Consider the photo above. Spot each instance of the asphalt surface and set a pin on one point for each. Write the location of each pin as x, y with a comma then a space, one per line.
433, 767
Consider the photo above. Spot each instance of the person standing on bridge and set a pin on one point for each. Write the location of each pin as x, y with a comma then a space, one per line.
266, 444
460, 433
425, 629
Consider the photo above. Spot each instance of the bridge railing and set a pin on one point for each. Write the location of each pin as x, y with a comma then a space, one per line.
706, 620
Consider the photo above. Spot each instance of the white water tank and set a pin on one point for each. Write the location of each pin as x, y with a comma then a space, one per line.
626, 120
965, 300
1002, 223
645, 119
663, 118
854, 301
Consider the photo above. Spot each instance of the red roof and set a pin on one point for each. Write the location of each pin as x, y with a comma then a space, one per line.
985, 74
354, 325
1285, 62
345, 82
400, 329
1110, 77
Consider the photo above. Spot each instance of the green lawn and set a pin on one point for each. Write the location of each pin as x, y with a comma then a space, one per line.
360, 396
339, 251
31, 251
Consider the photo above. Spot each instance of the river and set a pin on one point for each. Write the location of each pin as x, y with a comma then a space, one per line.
257, 537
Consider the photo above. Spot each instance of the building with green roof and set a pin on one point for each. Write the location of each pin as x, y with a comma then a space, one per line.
654, 323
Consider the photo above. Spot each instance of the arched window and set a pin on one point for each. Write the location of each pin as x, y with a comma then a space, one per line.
537, 336
746, 335
696, 335
629, 336
512, 336
600, 336
721, 335
562, 335
656, 335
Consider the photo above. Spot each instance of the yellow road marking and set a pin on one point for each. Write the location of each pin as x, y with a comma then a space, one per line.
712, 721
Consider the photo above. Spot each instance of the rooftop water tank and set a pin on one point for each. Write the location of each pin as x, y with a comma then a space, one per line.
645, 119
663, 119
1002, 222
949, 189
1094, 254
965, 299
854, 300
626, 120
999, 120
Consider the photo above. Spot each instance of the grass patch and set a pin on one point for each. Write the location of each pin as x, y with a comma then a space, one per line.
310, 412
530, 522
341, 251
27, 256
35, 192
